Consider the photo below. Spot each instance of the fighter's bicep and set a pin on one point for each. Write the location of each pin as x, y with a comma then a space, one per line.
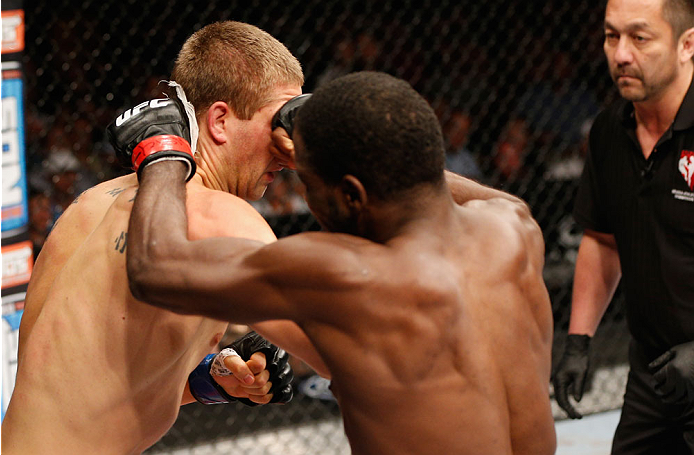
224, 278
300, 276
245, 281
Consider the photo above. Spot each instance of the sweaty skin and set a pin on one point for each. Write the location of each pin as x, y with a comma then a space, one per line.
438, 336
100, 372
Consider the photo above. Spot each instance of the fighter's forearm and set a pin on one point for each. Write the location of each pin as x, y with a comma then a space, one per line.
464, 190
158, 225
289, 336
168, 270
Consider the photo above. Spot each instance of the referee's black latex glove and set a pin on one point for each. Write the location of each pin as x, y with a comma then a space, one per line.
570, 375
674, 374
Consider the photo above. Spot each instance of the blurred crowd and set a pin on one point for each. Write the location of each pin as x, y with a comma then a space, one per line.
539, 137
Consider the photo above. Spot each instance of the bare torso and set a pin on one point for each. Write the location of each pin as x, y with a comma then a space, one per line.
100, 372
442, 344
438, 337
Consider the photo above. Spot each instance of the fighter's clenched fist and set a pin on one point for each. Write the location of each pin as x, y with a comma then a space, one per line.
282, 129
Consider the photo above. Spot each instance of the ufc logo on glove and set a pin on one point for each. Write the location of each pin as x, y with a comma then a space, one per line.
125, 116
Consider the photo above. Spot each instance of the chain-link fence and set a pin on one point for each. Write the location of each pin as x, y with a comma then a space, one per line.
516, 85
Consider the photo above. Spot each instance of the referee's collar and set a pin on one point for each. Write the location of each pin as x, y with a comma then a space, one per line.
685, 116
683, 120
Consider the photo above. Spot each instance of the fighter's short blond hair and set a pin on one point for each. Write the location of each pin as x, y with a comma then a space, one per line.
234, 62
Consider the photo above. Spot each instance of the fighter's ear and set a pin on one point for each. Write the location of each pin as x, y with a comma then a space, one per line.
353, 193
218, 114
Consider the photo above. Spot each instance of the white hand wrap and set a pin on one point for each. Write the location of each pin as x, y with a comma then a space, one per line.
190, 112
218, 368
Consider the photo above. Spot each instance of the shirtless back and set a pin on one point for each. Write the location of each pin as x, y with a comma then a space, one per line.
100, 372
442, 355
434, 322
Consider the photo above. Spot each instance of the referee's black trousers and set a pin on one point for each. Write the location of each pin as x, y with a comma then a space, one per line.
647, 425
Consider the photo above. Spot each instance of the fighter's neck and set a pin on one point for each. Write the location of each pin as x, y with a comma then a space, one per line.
209, 180
389, 221
208, 164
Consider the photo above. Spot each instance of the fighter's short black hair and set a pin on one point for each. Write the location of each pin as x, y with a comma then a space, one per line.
375, 127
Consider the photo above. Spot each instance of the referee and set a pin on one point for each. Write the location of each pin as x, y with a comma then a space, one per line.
636, 205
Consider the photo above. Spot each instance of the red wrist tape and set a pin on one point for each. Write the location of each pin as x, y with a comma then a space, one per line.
156, 144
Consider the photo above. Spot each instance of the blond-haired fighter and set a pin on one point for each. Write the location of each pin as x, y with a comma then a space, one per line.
99, 371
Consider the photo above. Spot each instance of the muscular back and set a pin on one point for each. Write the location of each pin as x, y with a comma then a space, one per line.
451, 340
435, 325
99, 371
440, 340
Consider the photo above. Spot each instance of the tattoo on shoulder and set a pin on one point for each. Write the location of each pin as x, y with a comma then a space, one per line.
115, 192
133, 198
77, 198
121, 242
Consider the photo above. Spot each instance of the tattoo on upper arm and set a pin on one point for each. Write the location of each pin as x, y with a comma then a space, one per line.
115, 192
133, 198
121, 242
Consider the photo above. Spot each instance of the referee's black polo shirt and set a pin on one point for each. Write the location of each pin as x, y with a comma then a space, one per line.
649, 207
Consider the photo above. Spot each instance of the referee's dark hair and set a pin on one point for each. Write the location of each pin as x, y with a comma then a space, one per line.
679, 14
375, 127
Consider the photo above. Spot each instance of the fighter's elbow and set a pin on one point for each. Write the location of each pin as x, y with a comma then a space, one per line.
147, 266
146, 286
138, 279
154, 280
144, 274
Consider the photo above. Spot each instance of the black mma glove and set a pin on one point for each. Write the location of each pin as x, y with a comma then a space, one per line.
674, 374
277, 363
206, 390
571, 373
284, 117
152, 131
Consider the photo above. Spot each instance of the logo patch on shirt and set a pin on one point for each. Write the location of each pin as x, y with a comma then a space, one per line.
686, 167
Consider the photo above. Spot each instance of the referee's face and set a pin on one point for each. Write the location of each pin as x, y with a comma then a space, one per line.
640, 48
